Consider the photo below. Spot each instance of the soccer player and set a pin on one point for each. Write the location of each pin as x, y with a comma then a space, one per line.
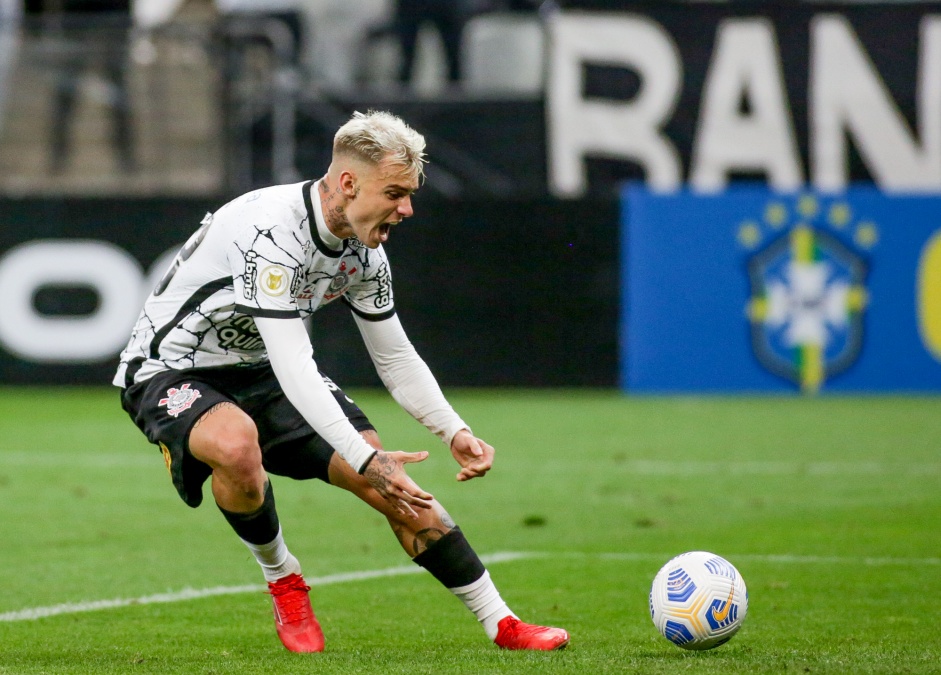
220, 373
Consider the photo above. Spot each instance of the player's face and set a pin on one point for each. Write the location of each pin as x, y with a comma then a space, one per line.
384, 199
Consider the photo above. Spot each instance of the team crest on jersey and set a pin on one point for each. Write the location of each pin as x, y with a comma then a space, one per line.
273, 280
340, 282
179, 400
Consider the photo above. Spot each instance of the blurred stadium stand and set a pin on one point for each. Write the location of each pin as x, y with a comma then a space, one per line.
225, 96
172, 90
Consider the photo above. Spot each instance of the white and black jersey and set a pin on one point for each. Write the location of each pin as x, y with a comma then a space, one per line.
267, 253
236, 295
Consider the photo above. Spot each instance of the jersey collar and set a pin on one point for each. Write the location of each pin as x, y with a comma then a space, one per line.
327, 243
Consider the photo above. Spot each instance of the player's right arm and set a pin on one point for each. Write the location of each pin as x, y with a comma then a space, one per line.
292, 359
265, 258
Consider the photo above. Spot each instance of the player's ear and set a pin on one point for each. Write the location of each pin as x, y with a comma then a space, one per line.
348, 184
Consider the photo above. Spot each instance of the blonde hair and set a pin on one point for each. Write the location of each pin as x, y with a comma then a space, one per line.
375, 136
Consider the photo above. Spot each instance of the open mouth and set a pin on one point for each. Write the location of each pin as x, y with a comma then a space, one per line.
384, 230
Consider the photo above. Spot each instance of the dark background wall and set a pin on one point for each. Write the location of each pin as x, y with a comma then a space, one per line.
496, 281
508, 292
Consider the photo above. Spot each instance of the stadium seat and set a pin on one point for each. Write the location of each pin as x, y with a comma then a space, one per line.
503, 54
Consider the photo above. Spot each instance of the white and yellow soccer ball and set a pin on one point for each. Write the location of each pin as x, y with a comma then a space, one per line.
698, 600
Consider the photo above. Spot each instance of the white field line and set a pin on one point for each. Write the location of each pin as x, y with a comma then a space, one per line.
657, 467
640, 467
194, 594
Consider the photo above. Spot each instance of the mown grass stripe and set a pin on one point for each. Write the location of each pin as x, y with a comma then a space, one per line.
30, 614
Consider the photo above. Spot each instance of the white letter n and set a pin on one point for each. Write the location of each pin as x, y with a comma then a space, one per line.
847, 96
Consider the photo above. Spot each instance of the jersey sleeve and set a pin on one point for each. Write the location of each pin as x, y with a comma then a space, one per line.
408, 378
292, 360
266, 262
371, 298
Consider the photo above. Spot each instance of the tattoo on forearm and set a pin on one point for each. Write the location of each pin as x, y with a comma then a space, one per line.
378, 471
217, 407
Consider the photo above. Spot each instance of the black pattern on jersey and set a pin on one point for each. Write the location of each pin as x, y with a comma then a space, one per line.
190, 306
258, 256
255, 261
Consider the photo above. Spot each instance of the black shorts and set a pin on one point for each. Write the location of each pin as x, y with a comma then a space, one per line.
166, 406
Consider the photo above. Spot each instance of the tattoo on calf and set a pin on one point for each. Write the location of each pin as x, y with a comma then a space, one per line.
425, 538
447, 521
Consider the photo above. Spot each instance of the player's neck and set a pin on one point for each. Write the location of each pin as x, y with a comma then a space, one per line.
330, 234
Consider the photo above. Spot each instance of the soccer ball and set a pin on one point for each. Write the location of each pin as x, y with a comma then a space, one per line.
698, 600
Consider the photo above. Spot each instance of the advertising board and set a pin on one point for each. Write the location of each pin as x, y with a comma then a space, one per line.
753, 290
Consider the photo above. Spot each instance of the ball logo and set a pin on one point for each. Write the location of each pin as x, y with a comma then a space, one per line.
721, 612
680, 586
274, 280
179, 400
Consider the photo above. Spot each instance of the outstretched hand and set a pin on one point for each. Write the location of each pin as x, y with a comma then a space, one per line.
386, 473
474, 455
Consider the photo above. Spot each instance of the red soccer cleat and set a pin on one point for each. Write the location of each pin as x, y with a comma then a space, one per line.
514, 634
293, 616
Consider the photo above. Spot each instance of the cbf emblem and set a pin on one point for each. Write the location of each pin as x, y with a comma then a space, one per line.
178, 400
808, 289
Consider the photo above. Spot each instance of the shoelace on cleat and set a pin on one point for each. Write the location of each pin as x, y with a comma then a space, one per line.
292, 602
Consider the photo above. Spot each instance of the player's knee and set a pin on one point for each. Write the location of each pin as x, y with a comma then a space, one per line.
237, 450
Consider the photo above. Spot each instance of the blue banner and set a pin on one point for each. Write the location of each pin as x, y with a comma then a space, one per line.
751, 290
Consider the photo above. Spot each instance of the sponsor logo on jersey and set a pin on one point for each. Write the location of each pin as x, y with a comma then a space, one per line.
179, 400
241, 333
384, 282
273, 280
808, 290
251, 275
297, 281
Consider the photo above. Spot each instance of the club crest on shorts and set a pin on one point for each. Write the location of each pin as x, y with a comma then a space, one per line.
179, 400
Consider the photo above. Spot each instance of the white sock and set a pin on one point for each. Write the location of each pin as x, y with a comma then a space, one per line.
483, 599
275, 559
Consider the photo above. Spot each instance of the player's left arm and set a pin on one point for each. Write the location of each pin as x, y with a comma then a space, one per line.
412, 385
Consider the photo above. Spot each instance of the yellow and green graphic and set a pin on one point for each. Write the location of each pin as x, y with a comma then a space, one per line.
808, 292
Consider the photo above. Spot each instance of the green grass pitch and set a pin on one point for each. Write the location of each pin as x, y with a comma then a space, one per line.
830, 507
